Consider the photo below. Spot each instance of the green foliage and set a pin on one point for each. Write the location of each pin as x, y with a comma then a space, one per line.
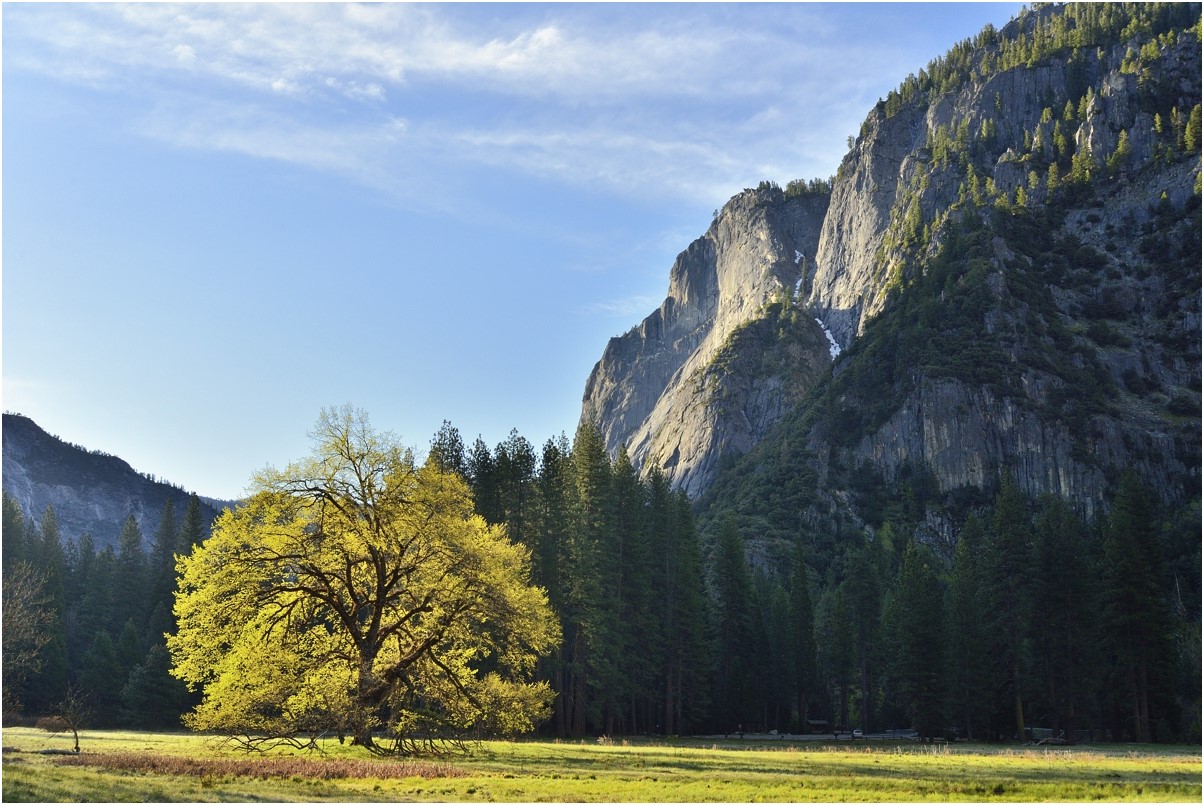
912, 627
969, 684
357, 593
1042, 33
804, 187
734, 693
1137, 626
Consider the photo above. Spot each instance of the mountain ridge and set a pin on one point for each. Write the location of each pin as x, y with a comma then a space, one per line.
91, 491
1071, 138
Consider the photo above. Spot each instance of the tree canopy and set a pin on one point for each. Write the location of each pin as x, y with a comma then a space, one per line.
357, 593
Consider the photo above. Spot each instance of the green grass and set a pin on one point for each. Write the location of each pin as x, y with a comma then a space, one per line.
137, 766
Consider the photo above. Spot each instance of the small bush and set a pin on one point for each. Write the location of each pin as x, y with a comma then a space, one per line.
53, 724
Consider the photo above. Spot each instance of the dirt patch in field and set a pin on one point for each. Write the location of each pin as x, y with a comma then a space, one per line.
264, 768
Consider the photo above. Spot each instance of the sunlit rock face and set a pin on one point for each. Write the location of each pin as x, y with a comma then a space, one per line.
771, 302
657, 389
90, 492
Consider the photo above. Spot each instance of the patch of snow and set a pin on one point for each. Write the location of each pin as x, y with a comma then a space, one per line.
833, 347
798, 257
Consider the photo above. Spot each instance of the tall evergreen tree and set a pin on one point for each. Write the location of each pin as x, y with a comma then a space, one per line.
14, 548
152, 698
913, 630
837, 650
551, 566
192, 531
687, 652
629, 590
162, 565
1064, 625
101, 679
594, 650
447, 450
514, 467
863, 596
966, 645
482, 478
733, 629
801, 641
1135, 607
1008, 580
96, 609
774, 669
131, 577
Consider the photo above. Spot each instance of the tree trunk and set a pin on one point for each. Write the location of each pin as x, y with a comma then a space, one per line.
865, 695
668, 725
1019, 704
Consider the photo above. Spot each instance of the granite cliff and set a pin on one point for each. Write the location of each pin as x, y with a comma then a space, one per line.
90, 492
681, 390
1003, 279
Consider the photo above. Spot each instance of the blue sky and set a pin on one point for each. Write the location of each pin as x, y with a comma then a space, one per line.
218, 219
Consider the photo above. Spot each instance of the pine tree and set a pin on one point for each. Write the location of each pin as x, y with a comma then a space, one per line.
550, 566
514, 468
966, 645
95, 610
593, 521
482, 478
771, 650
1007, 580
162, 566
691, 661
129, 648
101, 679
633, 601
1135, 609
863, 596
192, 532
801, 639
153, 698
913, 625
12, 533
682, 656
733, 629
447, 450
1191, 134
131, 577
837, 650
1064, 623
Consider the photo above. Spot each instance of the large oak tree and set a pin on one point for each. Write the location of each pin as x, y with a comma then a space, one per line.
356, 593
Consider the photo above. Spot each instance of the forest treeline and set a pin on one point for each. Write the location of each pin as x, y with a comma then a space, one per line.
1089, 631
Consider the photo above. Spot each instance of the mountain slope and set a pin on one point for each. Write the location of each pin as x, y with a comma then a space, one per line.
668, 389
91, 492
1010, 259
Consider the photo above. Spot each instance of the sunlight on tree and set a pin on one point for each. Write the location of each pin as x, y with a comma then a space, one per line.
357, 594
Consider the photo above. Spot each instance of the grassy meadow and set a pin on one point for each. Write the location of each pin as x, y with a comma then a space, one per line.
143, 766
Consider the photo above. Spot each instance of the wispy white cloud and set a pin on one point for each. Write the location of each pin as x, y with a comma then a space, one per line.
644, 100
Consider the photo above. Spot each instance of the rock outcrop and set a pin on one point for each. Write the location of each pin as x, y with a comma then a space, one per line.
90, 492
656, 390
1093, 148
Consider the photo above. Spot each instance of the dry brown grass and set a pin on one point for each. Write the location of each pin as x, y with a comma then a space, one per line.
263, 768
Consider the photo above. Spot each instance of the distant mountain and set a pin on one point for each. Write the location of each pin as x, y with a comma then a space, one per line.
90, 491
1002, 279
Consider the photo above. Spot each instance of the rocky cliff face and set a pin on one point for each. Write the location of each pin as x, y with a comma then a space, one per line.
1079, 164
91, 492
656, 390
